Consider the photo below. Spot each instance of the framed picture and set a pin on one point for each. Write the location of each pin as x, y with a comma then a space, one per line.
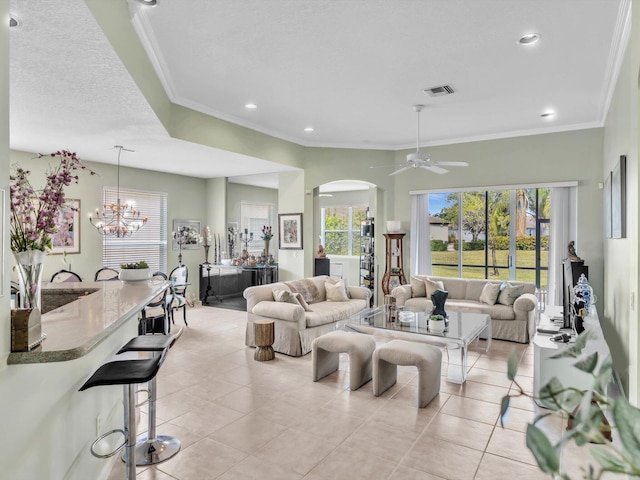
607, 206
618, 199
190, 232
290, 231
67, 238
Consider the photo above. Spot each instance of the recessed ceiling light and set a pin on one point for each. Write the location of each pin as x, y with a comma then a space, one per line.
548, 114
251, 106
529, 39
148, 3
308, 129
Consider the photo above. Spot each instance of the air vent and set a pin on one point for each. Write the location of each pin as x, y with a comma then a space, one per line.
439, 91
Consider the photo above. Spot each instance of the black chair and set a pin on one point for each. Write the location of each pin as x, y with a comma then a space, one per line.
155, 316
127, 373
105, 274
177, 298
65, 276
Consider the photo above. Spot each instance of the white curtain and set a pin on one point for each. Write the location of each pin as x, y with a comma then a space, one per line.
420, 235
563, 230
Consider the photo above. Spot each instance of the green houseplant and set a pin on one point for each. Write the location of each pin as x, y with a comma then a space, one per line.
587, 422
134, 272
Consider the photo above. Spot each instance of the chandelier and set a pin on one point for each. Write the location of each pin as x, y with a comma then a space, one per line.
118, 219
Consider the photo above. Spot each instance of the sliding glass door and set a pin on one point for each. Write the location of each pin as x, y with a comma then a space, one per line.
493, 234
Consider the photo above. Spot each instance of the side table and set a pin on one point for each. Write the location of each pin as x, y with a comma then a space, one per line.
264, 335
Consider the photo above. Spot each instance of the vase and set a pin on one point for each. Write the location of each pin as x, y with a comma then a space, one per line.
30, 265
206, 253
438, 298
266, 248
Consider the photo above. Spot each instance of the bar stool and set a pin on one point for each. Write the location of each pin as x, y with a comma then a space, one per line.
152, 448
127, 373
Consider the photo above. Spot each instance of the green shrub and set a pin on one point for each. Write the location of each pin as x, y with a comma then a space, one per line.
438, 246
134, 266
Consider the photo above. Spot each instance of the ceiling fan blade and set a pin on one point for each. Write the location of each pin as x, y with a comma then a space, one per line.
434, 169
387, 166
452, 164
401, 170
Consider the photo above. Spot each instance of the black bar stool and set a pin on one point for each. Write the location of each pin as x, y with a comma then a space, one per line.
152, 448
127, 373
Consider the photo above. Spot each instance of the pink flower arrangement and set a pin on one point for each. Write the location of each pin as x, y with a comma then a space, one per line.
34, 212
267, 234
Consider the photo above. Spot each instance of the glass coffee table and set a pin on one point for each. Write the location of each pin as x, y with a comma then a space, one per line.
463, 329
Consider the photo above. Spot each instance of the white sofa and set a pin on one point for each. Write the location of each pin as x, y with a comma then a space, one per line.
508, 322
295, 328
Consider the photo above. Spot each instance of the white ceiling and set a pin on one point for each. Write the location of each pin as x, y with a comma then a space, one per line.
352, 69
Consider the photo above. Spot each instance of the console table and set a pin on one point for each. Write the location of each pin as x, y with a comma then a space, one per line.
221, 281
544, 348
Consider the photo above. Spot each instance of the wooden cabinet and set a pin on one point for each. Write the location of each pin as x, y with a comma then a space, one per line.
394, 269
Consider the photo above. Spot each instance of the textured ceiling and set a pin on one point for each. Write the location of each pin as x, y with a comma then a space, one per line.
351, 69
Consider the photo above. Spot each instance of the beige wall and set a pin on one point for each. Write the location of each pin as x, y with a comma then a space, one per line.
621, 273
5, 264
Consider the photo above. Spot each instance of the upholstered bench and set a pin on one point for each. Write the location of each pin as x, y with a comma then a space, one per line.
326, 349
428, 359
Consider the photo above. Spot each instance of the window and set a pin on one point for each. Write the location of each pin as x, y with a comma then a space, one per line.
494, 234
340, 233
253, 217
150, 242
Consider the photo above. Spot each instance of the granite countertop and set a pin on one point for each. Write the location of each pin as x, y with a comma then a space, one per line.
78, 327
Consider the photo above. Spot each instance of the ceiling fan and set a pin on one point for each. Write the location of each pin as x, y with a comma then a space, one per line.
419, 159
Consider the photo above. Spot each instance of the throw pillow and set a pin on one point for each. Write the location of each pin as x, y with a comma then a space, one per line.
417, 287
334, 281
336, 292
431, 286
307, 288
509, 294
490, 293
284, 296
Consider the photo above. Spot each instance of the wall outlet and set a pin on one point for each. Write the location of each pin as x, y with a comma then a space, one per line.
98, 424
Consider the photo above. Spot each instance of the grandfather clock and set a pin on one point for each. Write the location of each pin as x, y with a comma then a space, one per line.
394, 270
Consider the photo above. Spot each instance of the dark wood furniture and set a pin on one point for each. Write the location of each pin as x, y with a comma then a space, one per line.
394, 268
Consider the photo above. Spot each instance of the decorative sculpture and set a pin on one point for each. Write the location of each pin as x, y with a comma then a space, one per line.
438, 298
572, 252
321, 253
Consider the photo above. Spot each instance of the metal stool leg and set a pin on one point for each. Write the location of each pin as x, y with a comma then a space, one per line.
151, 448
130, 429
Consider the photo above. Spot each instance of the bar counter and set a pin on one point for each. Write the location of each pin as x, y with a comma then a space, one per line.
76, 328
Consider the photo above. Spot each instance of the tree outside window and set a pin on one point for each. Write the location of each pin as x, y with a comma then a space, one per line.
341, 229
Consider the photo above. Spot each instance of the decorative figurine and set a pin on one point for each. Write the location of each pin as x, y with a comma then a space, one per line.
321, 253
572, 252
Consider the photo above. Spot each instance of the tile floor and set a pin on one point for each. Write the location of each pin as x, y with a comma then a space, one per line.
242, 419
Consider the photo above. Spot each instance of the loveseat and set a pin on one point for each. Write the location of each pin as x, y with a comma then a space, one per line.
511, 305
295, 326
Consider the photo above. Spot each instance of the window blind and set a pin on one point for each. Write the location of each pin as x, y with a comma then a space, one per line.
150, 242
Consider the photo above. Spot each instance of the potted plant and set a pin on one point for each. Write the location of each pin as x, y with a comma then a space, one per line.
134, 272
436, 324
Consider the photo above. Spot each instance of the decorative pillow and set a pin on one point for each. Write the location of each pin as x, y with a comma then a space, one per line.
417, 287
490, 293
431, 286
334, 281
509, 293
302, 302
307, 288
336, 292
285, 296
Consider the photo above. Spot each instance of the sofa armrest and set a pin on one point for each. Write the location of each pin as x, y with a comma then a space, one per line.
525, 302
402, 293
361, 293
280, 310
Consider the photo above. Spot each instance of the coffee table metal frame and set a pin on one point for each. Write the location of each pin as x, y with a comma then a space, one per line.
463, 329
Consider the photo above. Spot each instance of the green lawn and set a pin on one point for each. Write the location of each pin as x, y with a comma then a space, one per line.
524, 258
